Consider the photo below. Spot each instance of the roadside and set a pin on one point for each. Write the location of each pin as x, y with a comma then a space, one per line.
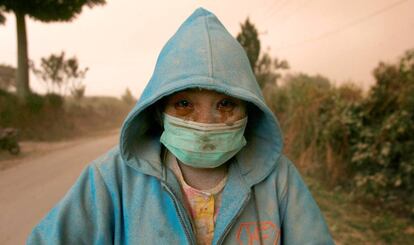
31, 188
354, 223
54, 118
349, 221
31, 150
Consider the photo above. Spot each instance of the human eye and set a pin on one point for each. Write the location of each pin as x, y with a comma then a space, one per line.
183, 104
226, 105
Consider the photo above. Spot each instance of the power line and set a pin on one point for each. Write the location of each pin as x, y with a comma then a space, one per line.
272, 8
266, 6
277, 10
303, 5
346, 26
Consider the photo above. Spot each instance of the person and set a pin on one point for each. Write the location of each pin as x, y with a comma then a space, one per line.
199, 160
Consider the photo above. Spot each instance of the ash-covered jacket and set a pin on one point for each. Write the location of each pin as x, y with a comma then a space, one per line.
128, 196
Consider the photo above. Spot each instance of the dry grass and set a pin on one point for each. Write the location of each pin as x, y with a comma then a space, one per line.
77, 118
351, 222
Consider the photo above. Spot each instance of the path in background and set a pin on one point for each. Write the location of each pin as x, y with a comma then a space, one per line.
31, 188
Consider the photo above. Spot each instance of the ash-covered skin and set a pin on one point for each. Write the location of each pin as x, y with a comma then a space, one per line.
205, 106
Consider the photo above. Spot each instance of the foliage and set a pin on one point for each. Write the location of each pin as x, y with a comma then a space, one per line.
61, 75
7, 77
352, 223
76, 75
249, 40
383, 134
52, 117
78, 92
7, 103
2, 17
42, 10
266, 70
265, 67
334, 139
128, 98
299, 103
35, 103
49, 10
55, 101
362, 142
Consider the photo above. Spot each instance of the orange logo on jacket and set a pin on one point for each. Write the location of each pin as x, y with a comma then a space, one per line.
250, 233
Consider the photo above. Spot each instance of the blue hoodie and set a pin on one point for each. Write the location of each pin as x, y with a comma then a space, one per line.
127, 196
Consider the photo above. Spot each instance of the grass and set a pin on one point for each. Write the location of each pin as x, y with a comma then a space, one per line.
351, 222
75, 119
61, 118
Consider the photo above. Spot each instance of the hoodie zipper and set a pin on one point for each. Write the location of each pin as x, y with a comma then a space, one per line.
233, 221
180, 214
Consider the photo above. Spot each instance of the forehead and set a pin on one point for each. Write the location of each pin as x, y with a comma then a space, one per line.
200, 93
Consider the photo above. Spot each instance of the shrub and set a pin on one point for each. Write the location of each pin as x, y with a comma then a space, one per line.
8, 103
383, 139
297, 104
35, 103
363, 142
54, 100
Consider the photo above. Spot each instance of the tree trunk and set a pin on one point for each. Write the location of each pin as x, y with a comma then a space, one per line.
22, 78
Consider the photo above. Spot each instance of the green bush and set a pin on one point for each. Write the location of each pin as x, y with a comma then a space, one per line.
35, 103
299, 103
383, 134
8, 103
54, 100
52, 117
362, 142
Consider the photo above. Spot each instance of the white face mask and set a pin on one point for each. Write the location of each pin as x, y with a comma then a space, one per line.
203, 145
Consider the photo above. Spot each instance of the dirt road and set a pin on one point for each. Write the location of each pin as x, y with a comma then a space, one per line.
30, 189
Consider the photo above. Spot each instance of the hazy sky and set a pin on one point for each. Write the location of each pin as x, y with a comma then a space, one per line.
120, 42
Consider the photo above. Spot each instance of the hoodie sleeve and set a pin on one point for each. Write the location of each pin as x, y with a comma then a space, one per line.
83, 216
302, 221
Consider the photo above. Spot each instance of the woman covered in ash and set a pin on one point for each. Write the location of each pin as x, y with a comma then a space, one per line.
199, 161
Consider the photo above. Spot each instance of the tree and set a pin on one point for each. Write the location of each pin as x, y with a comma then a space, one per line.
61, 75
75, 76
249, 40
128, 98
265, 68
7, 77
42, 10
383, 133
2, 17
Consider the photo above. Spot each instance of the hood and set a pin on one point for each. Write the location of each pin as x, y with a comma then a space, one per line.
202, 54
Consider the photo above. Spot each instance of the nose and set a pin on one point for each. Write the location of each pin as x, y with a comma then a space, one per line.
205, 115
